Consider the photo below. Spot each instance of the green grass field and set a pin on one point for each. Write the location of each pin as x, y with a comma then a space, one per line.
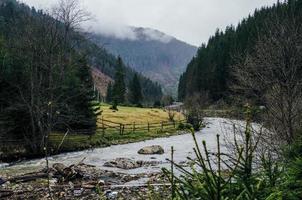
129, 115
112, 134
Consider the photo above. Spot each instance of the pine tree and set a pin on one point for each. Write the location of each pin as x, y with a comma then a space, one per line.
119, 87
109, 93
135, 96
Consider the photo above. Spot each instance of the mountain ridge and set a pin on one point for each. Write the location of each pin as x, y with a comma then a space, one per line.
156, 55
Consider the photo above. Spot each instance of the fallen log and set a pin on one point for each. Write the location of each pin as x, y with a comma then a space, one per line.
27, 177
8, 193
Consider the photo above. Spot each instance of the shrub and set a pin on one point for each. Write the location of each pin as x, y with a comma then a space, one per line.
195, 120
181, 126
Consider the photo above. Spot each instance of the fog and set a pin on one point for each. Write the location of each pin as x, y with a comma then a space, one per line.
192, 21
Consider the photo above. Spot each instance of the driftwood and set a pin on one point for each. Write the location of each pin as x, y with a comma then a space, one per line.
77, 186
8, 193
27, 177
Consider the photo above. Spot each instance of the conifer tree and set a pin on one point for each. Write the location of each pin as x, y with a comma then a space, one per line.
135, 96
119, 87
109, 93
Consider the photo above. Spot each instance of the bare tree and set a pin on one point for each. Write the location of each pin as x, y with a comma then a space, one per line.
171, 114
71, 14
43, 46
272, 72
194, 108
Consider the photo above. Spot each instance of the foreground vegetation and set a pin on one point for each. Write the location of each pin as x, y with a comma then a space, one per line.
251, 168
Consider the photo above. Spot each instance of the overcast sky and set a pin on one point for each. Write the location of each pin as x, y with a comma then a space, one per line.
192, 21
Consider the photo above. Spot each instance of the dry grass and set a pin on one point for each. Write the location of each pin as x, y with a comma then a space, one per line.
124, 115
129, 115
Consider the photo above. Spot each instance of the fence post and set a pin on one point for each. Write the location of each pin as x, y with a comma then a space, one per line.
103, 126
162, 126
133, 128
121, 129
174, 123
148, 127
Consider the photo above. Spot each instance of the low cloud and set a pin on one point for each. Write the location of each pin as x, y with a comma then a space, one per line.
193, 21
117, 31
127, 32
157, 35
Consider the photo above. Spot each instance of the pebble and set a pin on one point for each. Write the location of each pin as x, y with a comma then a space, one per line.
78, 192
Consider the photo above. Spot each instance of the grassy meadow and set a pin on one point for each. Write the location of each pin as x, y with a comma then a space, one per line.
112, 135
129, 115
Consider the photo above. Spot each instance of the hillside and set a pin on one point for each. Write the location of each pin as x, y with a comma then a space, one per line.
158, 56
106, 63
209, 71
101, 81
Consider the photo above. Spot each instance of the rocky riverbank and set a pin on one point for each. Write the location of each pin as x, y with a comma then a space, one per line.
80, 181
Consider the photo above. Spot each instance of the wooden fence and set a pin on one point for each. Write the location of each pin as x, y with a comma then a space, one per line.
122, 128
103, 127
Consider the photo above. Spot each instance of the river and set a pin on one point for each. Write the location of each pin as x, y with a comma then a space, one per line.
183, 146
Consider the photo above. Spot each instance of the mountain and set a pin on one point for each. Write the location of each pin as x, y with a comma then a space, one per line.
158, 56
210, 70
104, 65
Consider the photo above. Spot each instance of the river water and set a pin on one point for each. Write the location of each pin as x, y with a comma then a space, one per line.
183, 146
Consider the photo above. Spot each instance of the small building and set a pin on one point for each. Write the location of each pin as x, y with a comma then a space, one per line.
176, 106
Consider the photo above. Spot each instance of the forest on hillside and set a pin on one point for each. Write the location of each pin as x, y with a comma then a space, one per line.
45, 73
210, 70
254, 67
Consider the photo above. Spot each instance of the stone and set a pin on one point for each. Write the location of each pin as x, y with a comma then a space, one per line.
111, 194
124, 163
154, 149
2, 181
101, 182
78, 192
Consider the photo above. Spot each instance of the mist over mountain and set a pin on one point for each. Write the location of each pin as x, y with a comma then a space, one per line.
158, 56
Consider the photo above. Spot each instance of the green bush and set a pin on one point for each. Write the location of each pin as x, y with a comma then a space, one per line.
181, 126
292, 187
184, 126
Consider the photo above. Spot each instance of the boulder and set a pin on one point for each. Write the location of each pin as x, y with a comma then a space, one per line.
124, 163
154, 149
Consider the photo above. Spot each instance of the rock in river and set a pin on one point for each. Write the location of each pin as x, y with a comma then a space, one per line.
124, 163
154, 149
